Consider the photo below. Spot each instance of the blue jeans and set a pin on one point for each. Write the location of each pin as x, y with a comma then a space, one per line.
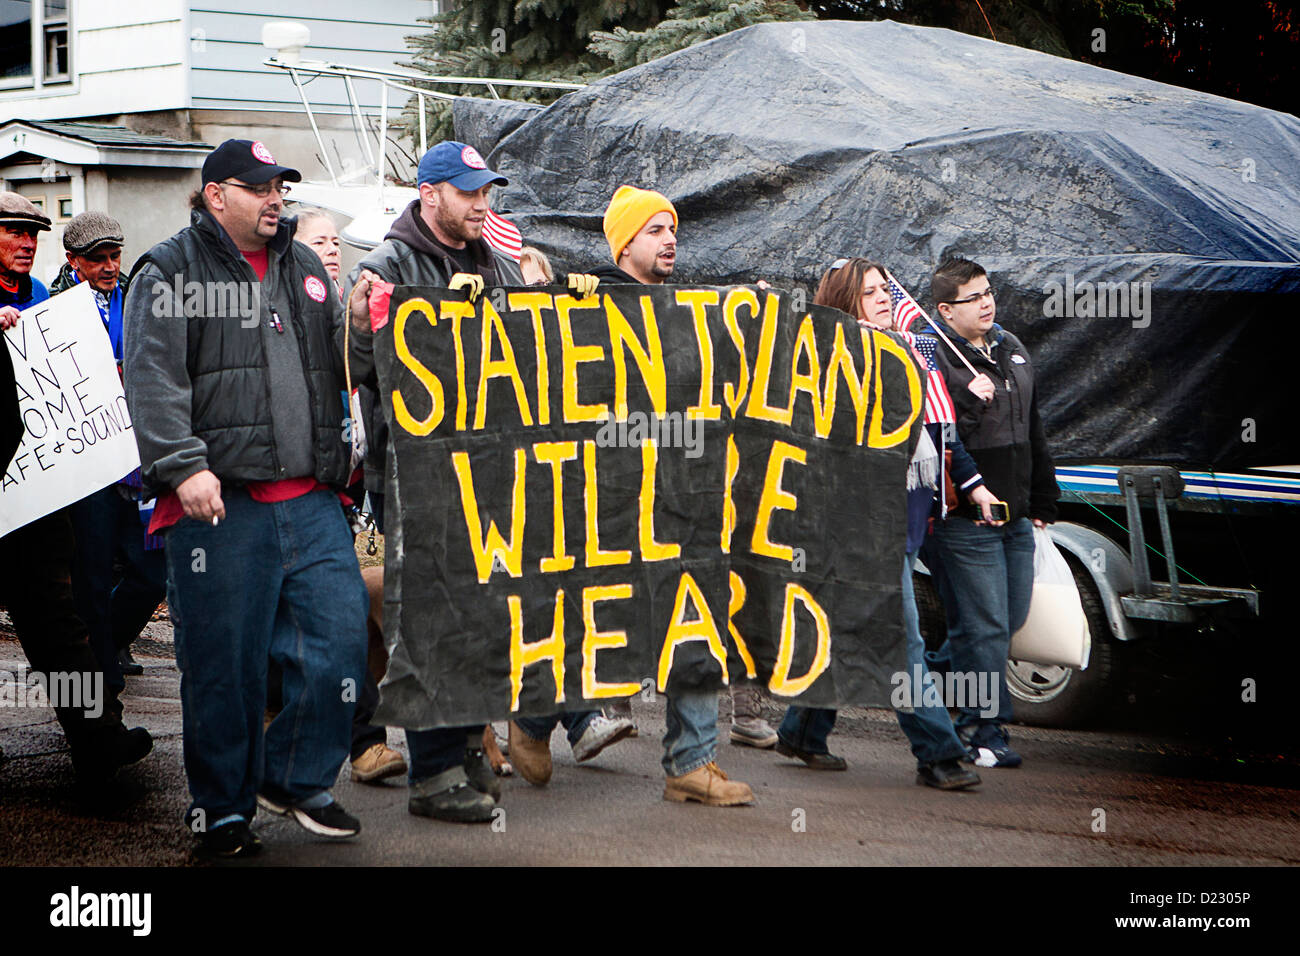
271, 580
807, 728
433, 751
691, 740
985, 578
575, 724
928, 729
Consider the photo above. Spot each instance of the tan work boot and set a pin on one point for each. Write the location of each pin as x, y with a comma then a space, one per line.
708, 785
532, 758
378, 762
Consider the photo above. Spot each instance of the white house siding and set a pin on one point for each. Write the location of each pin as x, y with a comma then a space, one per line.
128, 56
227, 71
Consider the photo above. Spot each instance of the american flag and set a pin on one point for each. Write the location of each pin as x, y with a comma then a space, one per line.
938, 403
502, 235
906, 311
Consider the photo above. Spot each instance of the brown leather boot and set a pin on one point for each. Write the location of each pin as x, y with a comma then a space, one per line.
708, 785
532, 758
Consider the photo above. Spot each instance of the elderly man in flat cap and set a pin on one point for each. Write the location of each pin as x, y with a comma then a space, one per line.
20, 221
35, 586
111, 524
93, 242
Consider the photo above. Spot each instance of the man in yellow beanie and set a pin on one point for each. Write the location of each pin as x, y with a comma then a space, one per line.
641, 226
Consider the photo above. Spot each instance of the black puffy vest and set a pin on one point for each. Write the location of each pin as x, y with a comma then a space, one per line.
227, 361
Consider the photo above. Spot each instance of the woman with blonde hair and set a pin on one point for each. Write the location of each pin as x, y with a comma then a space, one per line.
535, 266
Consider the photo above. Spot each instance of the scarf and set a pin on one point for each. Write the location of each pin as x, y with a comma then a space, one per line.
923, 471
110, 310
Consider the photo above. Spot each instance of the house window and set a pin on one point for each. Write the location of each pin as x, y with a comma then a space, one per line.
35, 43
16, 42
55, 25
65, 208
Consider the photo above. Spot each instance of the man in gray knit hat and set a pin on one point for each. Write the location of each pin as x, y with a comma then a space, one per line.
37, 556
110, 524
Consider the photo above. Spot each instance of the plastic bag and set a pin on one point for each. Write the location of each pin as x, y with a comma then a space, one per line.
1056, 630
355, 434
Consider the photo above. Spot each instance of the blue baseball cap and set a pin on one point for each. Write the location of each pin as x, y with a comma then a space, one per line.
458, 164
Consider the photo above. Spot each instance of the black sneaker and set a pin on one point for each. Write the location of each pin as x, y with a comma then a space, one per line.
478, 772
233, 841
330, 821
272, 806
449, 796
989, 747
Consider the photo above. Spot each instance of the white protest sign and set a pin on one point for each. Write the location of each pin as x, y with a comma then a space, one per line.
77, 435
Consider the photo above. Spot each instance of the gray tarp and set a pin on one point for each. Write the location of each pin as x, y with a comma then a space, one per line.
785, 146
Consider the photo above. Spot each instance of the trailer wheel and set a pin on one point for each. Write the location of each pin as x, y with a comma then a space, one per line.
1051, 696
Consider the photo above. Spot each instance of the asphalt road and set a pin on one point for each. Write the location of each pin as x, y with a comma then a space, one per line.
1165, 798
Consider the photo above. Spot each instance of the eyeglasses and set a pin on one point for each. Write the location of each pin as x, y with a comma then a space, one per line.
838, 264
972, 298
261, 190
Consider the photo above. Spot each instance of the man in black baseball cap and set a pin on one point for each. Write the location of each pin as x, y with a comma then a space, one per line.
235, 399
246, 160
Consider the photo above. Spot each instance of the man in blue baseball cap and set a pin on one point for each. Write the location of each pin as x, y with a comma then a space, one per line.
438, 238
437, 241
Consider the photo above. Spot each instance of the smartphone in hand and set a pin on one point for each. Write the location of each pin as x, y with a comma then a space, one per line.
998, 511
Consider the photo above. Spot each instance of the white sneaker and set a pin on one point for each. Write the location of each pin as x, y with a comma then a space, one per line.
600, 733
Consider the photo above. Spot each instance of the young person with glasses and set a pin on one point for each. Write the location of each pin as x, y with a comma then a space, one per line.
984, 569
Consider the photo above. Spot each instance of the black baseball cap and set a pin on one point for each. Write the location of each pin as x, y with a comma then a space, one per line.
246, 160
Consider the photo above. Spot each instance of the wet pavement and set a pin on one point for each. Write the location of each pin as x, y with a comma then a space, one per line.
1082, 798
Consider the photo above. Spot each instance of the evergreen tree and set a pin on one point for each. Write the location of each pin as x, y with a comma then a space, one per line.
523, 40
693, 21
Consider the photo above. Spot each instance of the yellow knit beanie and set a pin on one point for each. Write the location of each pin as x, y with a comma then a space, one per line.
628, 211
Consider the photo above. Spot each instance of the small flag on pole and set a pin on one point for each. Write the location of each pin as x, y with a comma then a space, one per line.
938, 403
503, 235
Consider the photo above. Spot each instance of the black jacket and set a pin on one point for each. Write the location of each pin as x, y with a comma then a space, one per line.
11, 422
612, 274
65, 280
1005, 437
199, 385
409, 256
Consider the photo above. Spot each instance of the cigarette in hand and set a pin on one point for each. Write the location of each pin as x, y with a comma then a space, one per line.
215, 520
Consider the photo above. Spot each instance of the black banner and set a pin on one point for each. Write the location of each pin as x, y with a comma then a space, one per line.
654, 487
